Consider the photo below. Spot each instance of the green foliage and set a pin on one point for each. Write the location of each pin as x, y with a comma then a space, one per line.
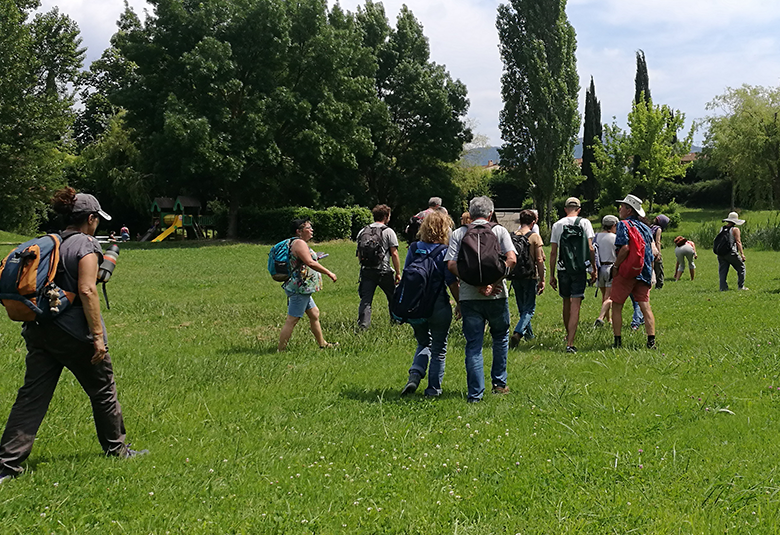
670, 210
611, 169
744, 142
592, 134
539, 88
40, 61
705, 193
271, 226
641, 80
471, 181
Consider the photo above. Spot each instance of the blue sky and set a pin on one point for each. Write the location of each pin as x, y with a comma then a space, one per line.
694, 48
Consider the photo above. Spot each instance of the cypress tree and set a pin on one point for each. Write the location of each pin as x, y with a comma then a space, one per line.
591, 135
642, 80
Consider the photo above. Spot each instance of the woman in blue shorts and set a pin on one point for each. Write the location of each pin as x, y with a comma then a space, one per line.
305, 279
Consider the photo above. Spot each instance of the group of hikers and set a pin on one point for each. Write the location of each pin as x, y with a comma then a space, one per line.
476, 261
49, 284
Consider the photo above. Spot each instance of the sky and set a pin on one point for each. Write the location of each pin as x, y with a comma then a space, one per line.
695, 49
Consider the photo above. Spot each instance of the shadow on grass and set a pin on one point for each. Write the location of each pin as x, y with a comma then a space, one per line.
31, 465
183, 244
387, 395
252, 350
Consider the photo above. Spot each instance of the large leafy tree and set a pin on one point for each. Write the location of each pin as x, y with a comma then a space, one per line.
418, 120
539, 87
246, 101
40, 61
743, 140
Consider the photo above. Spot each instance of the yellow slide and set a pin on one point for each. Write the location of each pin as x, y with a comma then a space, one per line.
177, 223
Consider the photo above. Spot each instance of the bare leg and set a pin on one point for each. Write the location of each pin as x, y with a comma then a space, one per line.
573, 319
314, 325
677, 272
287, 330
606, 303
566, 314
617, 318
649, 318
693, 272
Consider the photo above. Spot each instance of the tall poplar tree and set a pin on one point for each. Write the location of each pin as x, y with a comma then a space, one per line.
539, 87
592, 135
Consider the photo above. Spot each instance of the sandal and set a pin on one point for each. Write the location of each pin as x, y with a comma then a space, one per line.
329, 345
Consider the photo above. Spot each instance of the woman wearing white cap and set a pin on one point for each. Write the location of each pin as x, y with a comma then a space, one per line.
75, 339
735, 256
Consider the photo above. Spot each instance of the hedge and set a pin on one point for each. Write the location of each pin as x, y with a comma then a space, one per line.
271, 226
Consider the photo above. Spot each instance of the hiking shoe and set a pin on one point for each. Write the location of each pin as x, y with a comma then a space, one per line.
744, 288
651, 345
411, 384
571, 349
127, 453
473, 400
514, 340
598, 323
497, 389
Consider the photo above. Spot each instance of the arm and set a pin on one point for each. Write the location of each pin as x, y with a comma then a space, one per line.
452, 265
511, 260
738, 241
620, 257
396, 263
695, 255
553, 261
594, 274
301, 251
538, 256
87, 288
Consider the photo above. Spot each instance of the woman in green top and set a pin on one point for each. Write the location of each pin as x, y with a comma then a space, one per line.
305, 279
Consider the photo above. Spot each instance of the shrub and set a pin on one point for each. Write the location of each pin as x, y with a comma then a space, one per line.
670, 210
361, 217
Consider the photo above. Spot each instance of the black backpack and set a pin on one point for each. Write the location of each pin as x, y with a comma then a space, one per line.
413, 227
525, 268
573, 248
370, 247
480, 261
421, 283
723, 244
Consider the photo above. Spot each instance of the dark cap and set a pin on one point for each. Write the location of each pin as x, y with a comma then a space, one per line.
88, 203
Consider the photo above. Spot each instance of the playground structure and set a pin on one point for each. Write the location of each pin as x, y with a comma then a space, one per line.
169, 216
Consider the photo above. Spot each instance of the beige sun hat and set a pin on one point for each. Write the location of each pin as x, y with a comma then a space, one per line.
634, 202
734, 218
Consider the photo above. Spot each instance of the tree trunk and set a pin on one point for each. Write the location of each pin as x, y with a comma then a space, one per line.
235, 203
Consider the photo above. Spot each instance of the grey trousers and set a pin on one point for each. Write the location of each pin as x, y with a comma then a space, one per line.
733, 260
49, 350
370, 279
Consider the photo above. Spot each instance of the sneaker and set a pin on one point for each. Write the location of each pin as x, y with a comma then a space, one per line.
411, 384
571, 349
7, 475
598, 323
127, 453
473, 400
744, 288
500, 389
651, 345
514, 340
635, 327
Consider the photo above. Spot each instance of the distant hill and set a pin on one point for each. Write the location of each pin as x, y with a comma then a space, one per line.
482, 156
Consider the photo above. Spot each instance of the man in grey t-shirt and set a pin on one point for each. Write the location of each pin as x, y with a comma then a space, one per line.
381, 275
480, 305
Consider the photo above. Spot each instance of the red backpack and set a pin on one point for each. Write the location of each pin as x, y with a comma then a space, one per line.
632, 266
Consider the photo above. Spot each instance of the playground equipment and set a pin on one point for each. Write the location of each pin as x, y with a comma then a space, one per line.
169, 215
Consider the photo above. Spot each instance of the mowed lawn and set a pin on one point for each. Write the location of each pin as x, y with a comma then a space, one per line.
683, 439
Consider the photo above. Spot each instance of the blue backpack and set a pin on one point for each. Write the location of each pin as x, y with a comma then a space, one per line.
421, 283
27, 288
279, 260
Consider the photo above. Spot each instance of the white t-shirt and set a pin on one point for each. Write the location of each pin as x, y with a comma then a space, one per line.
389, 239
467, 291
557, 229
606, 244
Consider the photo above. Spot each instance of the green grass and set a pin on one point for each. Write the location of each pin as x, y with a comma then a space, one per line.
245, 440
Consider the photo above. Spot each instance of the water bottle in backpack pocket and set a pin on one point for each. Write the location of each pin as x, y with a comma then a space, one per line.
27, 287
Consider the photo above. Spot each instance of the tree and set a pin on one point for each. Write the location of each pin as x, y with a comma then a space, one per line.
539, 88
592, 134
40, 60
744, 141
653, 141
642, 79
245, 101
418, 122
612, 159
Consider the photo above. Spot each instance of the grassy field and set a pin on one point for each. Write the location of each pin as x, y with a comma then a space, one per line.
245, 440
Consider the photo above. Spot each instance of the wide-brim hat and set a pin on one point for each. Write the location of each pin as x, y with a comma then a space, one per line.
634, 202
734, 218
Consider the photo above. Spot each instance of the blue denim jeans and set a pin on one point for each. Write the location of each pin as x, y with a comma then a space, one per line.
431, 335
638, 318
475, 313
525, 294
